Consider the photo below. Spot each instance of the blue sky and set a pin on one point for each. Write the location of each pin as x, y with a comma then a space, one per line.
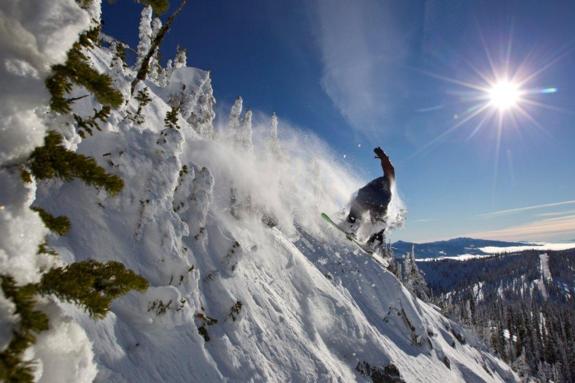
372, 73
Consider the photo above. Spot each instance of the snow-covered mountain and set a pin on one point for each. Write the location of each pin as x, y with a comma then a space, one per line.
523, 274
469, 248
449, 248
521, 303
247, 283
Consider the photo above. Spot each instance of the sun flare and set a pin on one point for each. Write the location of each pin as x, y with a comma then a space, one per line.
504, 95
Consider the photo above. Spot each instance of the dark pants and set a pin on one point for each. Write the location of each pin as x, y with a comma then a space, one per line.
373, 197
377, 214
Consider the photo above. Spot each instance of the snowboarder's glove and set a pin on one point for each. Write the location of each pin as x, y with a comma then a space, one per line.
388, 170
379, 153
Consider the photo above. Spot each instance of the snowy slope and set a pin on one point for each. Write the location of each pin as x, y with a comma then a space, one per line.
293, 302
232, 297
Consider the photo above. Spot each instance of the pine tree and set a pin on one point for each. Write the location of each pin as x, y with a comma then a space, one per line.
201, 113
234, 117
412, 278
245, 132
184, 100
118, 63
180, 61
145, 35
156, 71
156, 26
273, 141
143, 99
171, 120
167, 73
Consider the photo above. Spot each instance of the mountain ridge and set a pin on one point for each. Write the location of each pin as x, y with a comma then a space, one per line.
450, 247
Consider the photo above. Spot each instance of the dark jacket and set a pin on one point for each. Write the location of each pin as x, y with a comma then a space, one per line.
375, 196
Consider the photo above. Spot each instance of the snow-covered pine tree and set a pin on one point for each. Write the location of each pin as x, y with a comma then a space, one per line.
184, 101
167, 73
144, 35
273, 140
171, 119
239, 203
201, 113
235, 114
181, 60
412, 277
118, 60
156, 26
143, 99
156, 70
245, 133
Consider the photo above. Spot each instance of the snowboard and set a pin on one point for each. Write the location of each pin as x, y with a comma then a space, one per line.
349, 236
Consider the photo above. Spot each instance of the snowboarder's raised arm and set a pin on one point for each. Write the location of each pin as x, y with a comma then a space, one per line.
388, 169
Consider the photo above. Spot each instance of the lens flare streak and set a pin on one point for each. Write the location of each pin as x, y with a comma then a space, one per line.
499, 99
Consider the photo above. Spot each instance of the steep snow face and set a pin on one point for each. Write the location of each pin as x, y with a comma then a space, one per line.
263, 292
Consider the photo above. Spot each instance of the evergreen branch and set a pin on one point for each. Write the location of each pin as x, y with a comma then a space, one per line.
54, 160
92, 285
59, 225
72, 99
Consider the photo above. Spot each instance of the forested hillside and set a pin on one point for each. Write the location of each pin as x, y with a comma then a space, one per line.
522, 304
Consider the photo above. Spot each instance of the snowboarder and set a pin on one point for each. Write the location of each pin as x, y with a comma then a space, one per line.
373, 198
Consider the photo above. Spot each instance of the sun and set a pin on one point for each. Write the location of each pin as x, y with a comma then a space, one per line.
499, 97
504, 95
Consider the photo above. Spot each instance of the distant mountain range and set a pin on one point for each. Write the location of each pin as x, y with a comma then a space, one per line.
449, 248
